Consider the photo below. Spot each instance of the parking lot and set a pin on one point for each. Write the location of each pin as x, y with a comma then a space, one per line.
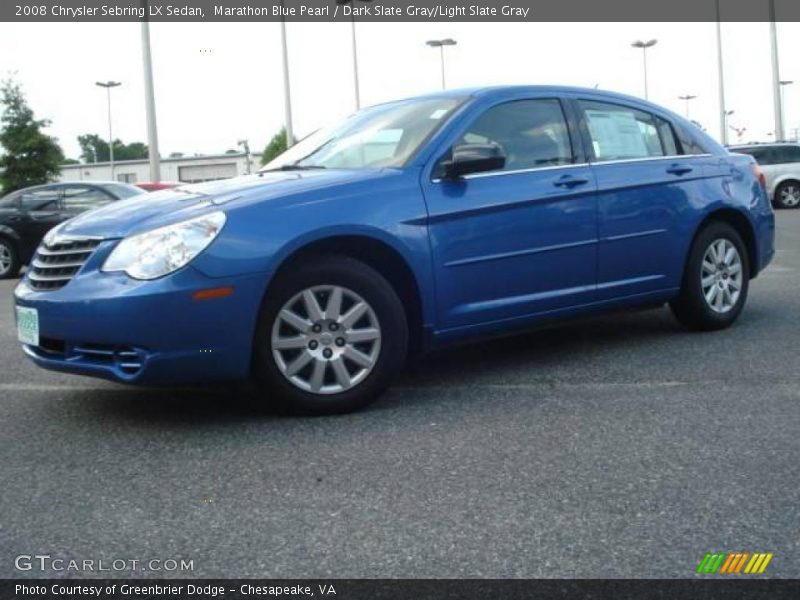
622, 446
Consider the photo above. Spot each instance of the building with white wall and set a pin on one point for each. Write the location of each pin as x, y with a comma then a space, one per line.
187, 169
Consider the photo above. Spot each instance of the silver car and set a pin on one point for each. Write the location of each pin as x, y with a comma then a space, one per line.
781, 166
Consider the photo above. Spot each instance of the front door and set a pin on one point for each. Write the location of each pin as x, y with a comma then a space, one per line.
521, 240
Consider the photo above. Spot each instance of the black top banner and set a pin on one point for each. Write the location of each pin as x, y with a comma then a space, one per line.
399, 10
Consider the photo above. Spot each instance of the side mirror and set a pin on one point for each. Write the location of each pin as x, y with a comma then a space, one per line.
473, 158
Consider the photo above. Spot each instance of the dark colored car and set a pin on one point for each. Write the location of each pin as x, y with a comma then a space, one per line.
27, 215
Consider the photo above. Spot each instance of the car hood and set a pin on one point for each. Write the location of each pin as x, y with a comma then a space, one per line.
156, 209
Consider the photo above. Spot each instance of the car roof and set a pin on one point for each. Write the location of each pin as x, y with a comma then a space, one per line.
502, 90
765, 145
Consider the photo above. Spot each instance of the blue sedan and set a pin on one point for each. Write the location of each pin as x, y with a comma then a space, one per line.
408, 225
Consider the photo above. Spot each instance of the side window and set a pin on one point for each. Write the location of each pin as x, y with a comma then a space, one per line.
667, 136
622, 133
79, 198
766, 156
532, 133
787, 154
43, 199
10, 201
689, 145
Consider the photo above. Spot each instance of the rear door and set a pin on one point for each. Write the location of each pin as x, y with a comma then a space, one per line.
645, 187
520, 240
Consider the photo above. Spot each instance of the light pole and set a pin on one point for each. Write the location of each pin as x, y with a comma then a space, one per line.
150, 105
783, 85
245, 144
776, 94
721, 81
644, 46
440, 44
287, 92
725, 116
108, 85
355, 49
687, 98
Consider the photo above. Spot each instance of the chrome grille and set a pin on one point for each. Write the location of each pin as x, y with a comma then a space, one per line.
55, 264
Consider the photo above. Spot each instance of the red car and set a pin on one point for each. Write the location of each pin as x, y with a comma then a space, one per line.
155, 186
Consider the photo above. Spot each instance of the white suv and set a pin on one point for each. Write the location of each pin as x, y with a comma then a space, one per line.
781, 165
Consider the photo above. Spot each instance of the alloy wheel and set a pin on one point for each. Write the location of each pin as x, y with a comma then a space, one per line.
326, 339
721, 276
6, 259
790, 196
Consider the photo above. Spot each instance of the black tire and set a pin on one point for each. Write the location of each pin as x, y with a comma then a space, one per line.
787, 195
370, 285
9, 251
691, 307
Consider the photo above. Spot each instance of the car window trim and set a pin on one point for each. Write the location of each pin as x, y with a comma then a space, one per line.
574, 139
649, 159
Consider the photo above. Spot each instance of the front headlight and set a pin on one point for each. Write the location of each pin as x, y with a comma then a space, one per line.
156, 253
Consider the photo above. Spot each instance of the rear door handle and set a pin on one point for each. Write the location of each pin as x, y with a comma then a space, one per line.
679, 169
570, 181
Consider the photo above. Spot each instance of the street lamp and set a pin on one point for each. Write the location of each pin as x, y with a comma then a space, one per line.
720, 78
245, 144
687, 98
108, 85
644, 46
355, 49
776, 93
287, 92
440, 44
783, 83
725, 116
154, 158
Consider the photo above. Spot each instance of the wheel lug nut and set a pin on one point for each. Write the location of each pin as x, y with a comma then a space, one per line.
316, 328
334, 327
327, 353
340, 342
313, 344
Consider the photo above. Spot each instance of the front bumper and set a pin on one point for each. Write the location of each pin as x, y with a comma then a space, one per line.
146, 332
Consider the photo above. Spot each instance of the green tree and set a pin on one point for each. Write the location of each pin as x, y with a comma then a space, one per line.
276, 146
29, 157
95, 149
132, 151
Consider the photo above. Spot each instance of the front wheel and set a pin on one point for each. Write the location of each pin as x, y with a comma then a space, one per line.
9, 260
331, 336
715, 281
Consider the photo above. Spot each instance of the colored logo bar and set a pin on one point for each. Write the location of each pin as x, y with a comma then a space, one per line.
734, 562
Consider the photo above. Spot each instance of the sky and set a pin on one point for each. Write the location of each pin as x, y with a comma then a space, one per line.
216, 84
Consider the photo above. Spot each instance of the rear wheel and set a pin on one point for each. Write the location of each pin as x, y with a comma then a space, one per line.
9, 260
331, 337
715, 281
787, 195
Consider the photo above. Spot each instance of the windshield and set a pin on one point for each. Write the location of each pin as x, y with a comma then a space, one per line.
122, 190
383, 136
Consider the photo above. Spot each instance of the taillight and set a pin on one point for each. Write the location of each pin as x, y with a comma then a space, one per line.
760, 175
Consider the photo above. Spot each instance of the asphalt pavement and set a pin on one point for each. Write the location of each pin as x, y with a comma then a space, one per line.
621, 446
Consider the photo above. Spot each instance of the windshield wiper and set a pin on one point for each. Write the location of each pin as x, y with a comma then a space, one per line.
294, 168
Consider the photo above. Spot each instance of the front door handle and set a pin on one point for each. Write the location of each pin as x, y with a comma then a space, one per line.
678, 169
570, 181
